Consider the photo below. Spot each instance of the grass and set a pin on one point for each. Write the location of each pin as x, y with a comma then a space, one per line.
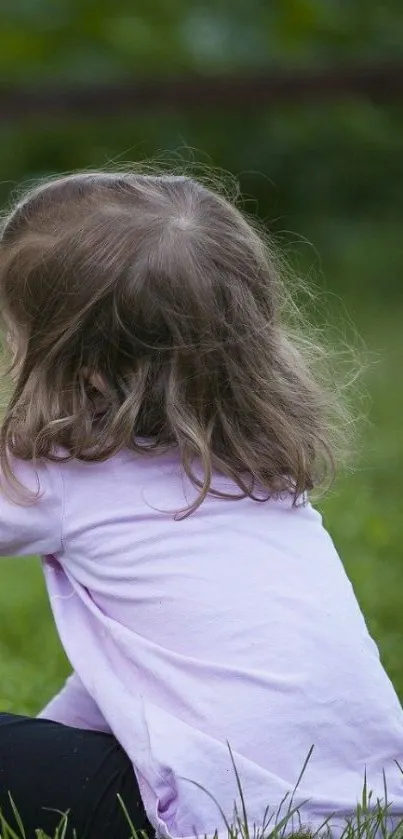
371, 820
362, 512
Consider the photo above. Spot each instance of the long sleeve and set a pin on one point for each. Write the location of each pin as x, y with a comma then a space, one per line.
32, 526
35, 527
74, 706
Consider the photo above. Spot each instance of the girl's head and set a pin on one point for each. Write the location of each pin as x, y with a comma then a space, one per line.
146, 314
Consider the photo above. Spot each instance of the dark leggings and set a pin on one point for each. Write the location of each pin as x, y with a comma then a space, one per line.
47, 767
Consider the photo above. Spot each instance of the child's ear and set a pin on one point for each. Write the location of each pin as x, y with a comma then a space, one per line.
95, 380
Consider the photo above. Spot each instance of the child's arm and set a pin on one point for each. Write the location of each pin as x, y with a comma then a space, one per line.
35, 526
32, 525
73, 706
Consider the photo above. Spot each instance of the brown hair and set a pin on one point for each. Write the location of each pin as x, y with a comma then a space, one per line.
159, 288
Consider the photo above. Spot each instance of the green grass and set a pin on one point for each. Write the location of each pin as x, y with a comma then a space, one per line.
362, 512
370, 820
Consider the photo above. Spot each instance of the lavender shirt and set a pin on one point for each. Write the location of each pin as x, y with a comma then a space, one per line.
236, 627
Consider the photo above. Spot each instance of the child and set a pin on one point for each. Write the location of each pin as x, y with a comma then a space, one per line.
157, 451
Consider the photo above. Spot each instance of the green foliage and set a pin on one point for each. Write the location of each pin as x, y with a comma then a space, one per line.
85, 39
330, 170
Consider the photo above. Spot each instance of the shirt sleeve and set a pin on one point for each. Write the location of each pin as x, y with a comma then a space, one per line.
75, 707
32, 525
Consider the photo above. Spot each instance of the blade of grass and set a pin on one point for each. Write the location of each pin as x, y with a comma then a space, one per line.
17, 816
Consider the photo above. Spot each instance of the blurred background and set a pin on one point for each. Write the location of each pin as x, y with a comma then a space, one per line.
301, 100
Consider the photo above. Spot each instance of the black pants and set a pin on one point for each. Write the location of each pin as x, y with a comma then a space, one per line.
47, 767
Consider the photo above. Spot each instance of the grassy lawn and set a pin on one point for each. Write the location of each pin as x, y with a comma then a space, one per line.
362, 512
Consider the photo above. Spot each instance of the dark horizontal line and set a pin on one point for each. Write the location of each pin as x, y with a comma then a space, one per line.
380, 82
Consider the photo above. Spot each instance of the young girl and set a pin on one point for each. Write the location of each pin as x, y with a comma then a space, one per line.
156, 452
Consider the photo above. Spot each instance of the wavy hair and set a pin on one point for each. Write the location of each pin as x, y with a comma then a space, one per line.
147, 312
